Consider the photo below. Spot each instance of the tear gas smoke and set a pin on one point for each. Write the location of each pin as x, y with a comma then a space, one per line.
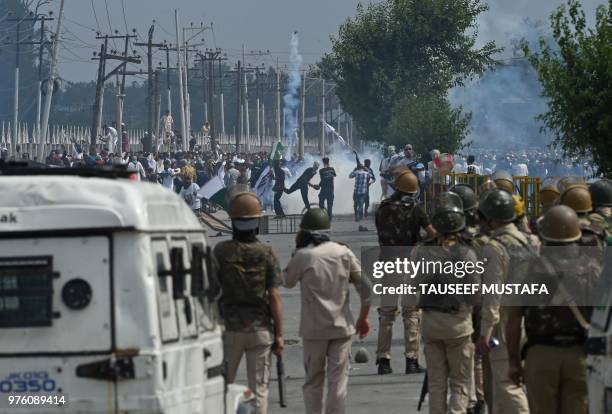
291, 98
343, 161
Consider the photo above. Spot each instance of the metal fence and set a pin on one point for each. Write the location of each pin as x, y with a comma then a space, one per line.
527, 187
28, 140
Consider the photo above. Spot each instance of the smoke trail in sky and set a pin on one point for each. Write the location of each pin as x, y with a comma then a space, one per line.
291, 98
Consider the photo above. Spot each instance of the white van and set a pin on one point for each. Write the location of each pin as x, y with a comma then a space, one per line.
107, 300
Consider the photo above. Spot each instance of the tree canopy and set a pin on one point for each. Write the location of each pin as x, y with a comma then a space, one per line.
576, 75
397, 49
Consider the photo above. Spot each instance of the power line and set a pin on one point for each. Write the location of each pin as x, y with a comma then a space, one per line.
124, 18
95, 16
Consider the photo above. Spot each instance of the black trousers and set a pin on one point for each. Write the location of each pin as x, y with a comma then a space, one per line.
303, 191
278, 209
327, 198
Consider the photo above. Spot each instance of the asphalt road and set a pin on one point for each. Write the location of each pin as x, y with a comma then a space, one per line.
368, 392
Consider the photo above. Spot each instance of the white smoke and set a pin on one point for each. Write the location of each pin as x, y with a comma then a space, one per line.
291, 98
343, 161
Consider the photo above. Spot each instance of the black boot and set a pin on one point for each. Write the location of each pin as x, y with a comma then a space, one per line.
479, 408
413, 367
384, 366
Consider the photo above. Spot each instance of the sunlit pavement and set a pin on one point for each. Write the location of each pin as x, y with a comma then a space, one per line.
368, 392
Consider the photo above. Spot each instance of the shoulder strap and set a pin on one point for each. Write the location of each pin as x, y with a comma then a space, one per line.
570, 302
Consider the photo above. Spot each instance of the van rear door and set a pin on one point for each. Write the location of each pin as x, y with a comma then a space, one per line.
56, 321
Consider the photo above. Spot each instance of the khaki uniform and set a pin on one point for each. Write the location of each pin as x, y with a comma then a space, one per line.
555, 365
556, 380
326, 323
247, 271
472, 236
503, 395
447, 335
398, 224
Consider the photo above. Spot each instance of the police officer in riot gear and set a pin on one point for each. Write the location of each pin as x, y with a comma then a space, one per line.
399, 221
447, 319
555, 365
505, 251
249, 273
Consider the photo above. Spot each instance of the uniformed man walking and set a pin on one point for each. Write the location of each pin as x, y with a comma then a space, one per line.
251, 305
447, 319
399, 221
555, 365
325, 270
506, 250
473, 237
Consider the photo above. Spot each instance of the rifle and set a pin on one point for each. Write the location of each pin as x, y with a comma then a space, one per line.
424, 391
280, 373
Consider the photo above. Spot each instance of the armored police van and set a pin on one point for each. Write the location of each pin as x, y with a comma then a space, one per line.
107, 299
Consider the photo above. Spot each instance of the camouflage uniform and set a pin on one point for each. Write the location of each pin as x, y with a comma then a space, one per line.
507, 247
398, 223
247, 271
555, 364
447, 329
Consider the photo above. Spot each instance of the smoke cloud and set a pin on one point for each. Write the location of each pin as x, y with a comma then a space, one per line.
343, 161
506, 101
291, 98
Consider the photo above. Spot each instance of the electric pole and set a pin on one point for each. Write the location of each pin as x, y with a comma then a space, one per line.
210, 56
322, 140
167, 48
103, 76
50, 83
303, 116
278, 103
151, 102
180, 76
18, 43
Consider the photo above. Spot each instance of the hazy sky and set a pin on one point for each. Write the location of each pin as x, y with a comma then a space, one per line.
259, 24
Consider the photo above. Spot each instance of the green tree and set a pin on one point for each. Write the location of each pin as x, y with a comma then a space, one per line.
576, 75
401, 48
429, 122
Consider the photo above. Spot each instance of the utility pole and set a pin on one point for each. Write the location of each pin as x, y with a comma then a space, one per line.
103, 76
17, 44
16, 92
41, 45
180, 76
157, 113
258, 125
238, 105
199, 30
322, 140
151, 103
302, 117
121, 95
167, 48
252, 53
95, 126
50, 83
278, 103
210, 56
222, 107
